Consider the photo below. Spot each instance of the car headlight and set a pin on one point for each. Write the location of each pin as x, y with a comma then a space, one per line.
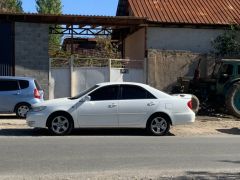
38, 109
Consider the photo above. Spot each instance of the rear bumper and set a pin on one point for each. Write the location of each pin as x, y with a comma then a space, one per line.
183, 118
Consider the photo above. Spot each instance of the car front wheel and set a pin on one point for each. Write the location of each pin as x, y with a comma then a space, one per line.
60, 125
158, 126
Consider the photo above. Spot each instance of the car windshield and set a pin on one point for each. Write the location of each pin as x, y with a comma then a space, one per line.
83, 92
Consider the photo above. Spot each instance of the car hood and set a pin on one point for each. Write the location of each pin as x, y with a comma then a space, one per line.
55, 102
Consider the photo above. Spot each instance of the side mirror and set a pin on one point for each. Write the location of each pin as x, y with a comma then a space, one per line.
85, 98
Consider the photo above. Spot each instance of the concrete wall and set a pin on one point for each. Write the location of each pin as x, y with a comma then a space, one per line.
164, 67
187, 39
31, 52
134, 45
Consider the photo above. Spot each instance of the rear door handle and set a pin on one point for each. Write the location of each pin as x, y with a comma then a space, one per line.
112, 105
151, 104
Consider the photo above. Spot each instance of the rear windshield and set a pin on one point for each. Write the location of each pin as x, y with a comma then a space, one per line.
23, 84
37, 85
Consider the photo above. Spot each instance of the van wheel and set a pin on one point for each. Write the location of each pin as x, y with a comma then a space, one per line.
22, 109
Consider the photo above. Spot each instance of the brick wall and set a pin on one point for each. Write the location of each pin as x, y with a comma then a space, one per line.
31, 52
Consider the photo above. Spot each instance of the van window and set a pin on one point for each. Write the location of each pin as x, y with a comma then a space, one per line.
23, 84
37, 85
9, 85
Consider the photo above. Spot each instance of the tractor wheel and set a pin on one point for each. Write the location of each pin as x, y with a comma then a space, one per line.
195, 104
233, 100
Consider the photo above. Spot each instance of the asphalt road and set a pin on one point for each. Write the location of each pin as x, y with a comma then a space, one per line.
127, 155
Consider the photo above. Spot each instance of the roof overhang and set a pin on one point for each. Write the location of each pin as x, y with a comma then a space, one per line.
119, 21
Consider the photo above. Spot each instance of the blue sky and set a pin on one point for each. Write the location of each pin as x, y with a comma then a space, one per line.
81, 7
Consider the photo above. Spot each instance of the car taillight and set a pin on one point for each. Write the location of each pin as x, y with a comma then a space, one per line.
190, 104
37, 94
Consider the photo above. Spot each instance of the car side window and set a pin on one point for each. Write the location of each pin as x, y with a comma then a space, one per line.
135, 92
23, 84
105, 93
9, 85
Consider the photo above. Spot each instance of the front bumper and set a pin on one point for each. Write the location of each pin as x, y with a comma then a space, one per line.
37, 119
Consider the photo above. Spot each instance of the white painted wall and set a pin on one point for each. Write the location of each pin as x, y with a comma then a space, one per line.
135, 45
59, 84
187, 39
133, 75
85, 77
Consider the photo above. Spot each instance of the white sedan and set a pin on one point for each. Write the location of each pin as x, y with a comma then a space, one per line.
114, 105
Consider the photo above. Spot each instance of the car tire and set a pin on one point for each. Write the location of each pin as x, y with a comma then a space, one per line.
158, 125
60, 124
22, 109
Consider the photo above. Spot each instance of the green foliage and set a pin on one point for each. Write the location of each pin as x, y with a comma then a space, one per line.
228, 44
51, 7
105, 45
11, 6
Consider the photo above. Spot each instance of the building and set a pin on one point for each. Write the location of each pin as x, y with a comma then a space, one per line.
178, 33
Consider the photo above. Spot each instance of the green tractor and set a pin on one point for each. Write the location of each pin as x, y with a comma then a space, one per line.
221, 89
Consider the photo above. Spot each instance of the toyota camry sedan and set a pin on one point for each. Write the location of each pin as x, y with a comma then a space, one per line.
114, 105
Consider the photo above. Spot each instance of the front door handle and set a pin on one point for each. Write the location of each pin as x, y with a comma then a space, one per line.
112, 105
151, 104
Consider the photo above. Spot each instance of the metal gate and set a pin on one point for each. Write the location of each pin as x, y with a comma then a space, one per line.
6, 49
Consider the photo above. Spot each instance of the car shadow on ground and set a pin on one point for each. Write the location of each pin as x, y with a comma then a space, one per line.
77, 132
233, 131
228, 161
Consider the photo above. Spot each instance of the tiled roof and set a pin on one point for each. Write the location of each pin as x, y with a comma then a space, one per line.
211, 12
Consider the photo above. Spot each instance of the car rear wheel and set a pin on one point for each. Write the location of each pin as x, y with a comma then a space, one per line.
158, 126
60, 125
22, 109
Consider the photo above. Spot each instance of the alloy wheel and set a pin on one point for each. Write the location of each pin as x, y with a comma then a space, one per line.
159, 125
60, 125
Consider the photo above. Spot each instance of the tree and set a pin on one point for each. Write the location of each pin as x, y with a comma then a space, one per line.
228, 43
50, 7
11, 6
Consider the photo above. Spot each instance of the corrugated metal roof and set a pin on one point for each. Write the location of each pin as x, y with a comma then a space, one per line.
211, 12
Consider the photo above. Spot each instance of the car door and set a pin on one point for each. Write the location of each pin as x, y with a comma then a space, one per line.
135, 106
9, 95
101, 110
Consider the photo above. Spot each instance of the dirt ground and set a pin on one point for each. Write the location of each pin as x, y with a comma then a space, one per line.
203, 126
